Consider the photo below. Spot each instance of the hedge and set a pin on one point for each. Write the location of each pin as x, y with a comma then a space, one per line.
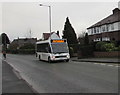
86, 50
21, 51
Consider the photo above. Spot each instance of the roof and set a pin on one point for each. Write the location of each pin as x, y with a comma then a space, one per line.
21, 40
115, 17
47, 35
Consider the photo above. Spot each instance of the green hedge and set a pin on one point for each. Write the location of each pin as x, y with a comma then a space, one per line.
104, 46
86, 50
26, 51
73, 48
13, 51
22, 51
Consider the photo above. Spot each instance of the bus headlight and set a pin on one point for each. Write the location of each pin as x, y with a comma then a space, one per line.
68, 56
53, 57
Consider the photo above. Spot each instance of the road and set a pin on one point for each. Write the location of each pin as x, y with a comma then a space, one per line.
62, 77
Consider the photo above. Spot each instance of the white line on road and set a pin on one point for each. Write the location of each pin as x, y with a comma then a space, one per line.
109, 65
117, 66
96, 63
106, 64
102, 64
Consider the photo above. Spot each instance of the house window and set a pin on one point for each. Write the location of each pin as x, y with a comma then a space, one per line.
91, 31
112, 26
107, 28
97, 29
105, 39
94, 30
103, 28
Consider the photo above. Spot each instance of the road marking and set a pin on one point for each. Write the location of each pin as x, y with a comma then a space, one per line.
96, 63
109, 65
117, 66
102, 64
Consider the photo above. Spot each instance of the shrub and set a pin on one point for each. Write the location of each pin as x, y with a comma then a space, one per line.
28, 46
71, 51
104, 46
26, 51
119, 48
74, 47
12, 51
99, 46
86, 50
108, 47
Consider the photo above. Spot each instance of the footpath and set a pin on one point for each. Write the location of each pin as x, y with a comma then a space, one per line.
12, 84
99, 60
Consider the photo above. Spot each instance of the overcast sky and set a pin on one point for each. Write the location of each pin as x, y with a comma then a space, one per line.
19, 17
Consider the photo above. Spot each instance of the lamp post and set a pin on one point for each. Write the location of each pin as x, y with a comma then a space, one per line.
49, 16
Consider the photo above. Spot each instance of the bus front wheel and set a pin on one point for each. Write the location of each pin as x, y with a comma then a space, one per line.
67, 60
49, 60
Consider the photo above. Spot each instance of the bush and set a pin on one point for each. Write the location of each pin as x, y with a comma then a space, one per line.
118, 48
99, 46
28, 46
104, 46
74, 47
26, 51
12, 51
71, 51
21, 51
86, 50
108, 47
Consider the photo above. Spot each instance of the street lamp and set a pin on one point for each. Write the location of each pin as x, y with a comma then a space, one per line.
49, 16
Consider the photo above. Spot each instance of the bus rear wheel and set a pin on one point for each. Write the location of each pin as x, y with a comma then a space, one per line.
39, 57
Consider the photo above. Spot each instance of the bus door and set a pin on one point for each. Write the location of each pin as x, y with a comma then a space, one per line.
47, 52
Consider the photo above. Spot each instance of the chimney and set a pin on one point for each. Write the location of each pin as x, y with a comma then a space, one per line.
116, 11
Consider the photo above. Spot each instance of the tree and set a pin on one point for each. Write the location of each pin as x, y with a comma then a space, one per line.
81, 37
86, 40
5, 41
69, 33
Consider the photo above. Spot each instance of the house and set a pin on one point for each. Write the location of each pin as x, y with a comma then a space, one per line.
107, 29
17, 43
53, 35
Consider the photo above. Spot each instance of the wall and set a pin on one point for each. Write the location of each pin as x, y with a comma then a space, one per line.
107, 54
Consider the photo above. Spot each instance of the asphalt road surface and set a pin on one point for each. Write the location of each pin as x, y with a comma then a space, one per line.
62, 77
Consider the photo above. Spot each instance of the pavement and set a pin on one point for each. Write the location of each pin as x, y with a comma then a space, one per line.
100, 60
12, 83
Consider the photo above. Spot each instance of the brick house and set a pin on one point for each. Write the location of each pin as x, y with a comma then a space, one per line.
107, 29
17, 43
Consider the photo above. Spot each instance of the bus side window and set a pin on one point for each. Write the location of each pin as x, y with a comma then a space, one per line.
49, 49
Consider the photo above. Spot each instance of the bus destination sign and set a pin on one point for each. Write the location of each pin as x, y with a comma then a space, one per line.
58, 41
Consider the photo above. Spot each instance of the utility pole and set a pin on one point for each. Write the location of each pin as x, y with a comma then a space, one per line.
49, 17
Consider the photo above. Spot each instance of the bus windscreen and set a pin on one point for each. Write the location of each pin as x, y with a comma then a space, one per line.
59, 47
